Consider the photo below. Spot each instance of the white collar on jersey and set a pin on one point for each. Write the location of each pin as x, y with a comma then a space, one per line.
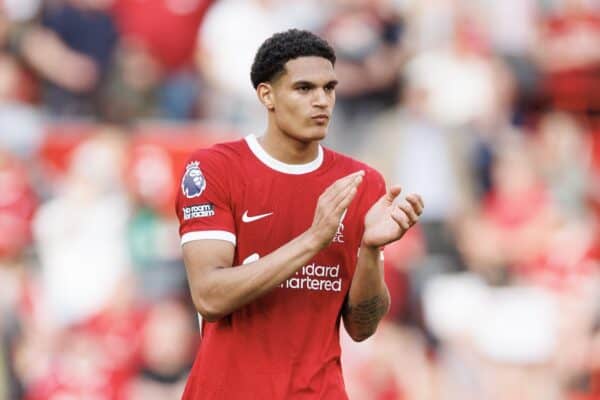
269, 161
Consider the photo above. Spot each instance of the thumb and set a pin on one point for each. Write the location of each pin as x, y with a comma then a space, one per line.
392, 193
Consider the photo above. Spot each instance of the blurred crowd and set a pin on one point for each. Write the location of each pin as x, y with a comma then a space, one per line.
489, 109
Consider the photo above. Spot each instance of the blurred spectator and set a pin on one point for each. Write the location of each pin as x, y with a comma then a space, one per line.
460, 79
20, 121
81, 233
587, 387
513, 33
410, 147
496, 343
512, 26
131, 91
392, 365
155, 255
20, 10
17, 205
569, 55
517, 215
593, 194
367, 41
159, 42
71, 50
87, 28
227, 42
167, 28
400, 259
562, 153
94, 359
21, 124
429, 22
166, 353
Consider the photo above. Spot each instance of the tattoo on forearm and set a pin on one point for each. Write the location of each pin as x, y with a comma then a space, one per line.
364, 316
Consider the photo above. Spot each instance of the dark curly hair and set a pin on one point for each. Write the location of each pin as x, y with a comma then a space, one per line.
282, 47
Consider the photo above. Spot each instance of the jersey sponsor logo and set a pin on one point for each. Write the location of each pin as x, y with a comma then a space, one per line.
246, 218
193, 182
323, 278
198, 211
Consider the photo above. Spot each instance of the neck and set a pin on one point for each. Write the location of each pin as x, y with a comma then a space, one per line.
288, 149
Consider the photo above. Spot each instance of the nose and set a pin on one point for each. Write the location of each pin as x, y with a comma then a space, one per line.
321, 99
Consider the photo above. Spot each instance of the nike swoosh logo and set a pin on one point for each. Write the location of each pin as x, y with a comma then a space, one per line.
246, 218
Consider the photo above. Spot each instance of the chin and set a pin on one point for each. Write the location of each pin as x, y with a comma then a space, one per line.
310, 135
317, 133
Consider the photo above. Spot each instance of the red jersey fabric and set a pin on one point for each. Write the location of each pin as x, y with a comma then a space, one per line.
284, 345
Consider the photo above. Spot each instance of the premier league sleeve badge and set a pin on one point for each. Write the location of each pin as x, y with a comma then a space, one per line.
193, 182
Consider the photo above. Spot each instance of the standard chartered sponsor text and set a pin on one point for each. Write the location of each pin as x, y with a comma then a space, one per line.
316, 277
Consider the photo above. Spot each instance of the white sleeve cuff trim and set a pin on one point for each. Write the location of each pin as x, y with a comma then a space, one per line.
200, 235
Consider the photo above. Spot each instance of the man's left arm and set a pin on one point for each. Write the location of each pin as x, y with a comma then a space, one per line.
368, 299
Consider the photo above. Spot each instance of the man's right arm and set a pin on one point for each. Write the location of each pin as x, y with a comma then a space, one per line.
217, 289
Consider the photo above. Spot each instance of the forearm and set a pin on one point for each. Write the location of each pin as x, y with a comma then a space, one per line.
368, 299
221, 291
50, 57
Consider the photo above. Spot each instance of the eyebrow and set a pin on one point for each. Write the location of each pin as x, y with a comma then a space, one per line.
312, 84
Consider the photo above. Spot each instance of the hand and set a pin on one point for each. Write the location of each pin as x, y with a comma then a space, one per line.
386, 222
332, 203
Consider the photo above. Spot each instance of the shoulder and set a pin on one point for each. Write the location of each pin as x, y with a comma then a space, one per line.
215, 167
210, 172
220, 155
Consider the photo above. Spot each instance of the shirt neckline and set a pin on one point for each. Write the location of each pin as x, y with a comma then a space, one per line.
273, 163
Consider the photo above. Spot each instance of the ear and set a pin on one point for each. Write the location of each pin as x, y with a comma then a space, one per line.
264, 91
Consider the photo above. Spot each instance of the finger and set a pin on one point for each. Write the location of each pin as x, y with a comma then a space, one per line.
392, 193
343, 205
343, 181
417, 198
401, 219
416, 203
410, 212
339, 185
348, 195
343, 193
330, 209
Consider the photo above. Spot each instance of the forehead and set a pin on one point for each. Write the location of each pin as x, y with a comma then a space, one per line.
309, 69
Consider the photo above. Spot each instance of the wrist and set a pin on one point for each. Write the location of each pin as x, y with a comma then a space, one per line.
370, 251
312, 242
369, 247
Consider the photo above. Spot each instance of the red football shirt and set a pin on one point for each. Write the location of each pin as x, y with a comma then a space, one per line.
284, 345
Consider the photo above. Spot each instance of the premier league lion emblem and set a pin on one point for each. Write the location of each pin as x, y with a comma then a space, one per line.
193, 182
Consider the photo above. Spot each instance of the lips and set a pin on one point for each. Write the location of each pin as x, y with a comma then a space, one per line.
321, 118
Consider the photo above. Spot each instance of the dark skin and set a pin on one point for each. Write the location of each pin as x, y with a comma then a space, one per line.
299, 103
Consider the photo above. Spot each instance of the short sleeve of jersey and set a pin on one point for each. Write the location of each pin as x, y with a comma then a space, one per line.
203, 202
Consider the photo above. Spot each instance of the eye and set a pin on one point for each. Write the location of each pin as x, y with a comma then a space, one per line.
329, 88
303, 88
